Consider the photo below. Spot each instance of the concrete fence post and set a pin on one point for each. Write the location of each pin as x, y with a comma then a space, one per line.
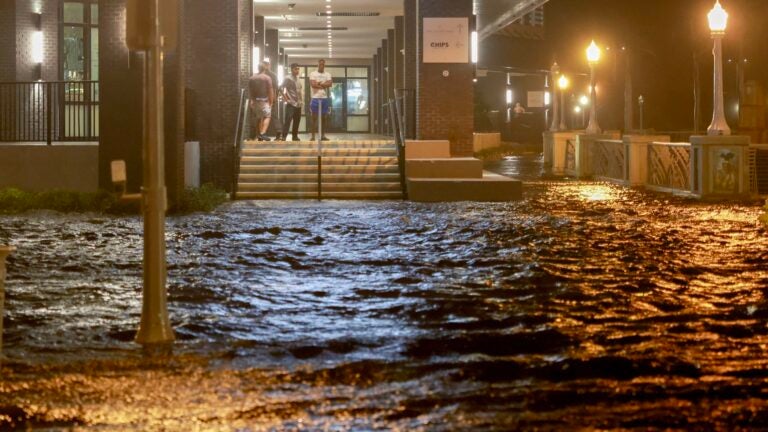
4, 252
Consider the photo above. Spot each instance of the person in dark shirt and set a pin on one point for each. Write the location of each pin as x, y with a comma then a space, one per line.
276, 118
262, 96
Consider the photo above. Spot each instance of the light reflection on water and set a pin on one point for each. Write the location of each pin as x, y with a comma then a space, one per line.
584, 304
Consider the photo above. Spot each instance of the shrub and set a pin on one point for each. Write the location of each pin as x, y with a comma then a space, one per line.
205, 199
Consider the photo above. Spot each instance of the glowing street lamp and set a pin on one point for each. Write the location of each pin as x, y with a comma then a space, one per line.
563, 83
718, 20
593, 57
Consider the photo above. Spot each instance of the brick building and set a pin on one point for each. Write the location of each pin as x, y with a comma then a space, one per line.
84, 41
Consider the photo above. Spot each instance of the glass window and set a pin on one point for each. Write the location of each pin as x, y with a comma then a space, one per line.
357, 72
357, 96
95, 14
94, 54
73, 56
336, 72
74, 13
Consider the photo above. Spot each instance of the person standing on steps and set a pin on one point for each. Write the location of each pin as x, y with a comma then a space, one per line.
262, 96
276, 123
292, 90
320, 81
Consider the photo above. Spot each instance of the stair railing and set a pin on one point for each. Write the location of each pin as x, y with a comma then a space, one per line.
397, 130
319, 149
240, 128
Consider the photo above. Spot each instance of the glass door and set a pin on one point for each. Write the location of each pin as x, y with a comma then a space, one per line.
337, 99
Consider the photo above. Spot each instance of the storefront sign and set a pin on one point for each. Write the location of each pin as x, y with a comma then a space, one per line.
446, 40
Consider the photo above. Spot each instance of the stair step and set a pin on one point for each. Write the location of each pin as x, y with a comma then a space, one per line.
313, 195
312, 169
305, 160
326, 178
308, 152
350, 143
309, 186
313, 144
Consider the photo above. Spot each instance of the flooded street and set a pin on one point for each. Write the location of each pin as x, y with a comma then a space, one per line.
584, 305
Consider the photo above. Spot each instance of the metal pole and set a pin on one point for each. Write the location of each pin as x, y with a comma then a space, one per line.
641, 102
555, 110
563, 125
49, 112
593, 128
719, 125
155, 325
4, 252
320, 150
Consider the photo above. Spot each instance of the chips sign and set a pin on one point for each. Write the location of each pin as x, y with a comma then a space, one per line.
138, 24
446, 40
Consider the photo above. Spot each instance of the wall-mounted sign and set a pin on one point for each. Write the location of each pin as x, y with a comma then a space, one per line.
446, 40
536, 99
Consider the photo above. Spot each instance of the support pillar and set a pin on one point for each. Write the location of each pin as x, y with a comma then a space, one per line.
445, 91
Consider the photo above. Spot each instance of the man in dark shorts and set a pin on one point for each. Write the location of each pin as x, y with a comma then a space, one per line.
262, 96
320, 81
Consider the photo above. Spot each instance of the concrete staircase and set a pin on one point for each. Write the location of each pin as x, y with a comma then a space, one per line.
360, 169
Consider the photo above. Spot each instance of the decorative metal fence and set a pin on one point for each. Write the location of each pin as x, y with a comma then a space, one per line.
609, 159
669, 167
49, 111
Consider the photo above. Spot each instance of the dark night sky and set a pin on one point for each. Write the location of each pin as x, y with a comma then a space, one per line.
661, 37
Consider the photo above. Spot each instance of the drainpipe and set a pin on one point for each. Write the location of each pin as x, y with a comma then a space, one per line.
4, 252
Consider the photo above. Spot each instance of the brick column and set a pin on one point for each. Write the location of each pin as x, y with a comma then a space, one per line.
8, 47
374, 93
410, 29
398, 56
213, 69
444, 104
121, 106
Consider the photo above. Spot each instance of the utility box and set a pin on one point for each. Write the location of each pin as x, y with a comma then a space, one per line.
138, 24
192, 164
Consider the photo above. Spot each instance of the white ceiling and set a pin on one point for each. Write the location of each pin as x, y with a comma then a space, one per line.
361, 39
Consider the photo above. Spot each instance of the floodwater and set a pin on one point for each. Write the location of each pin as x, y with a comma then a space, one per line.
585, 305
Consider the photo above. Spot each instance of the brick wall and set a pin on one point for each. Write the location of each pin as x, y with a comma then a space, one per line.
120, 112
410, 28
213, 73
174, 98
446, 104
26, 69
8, 45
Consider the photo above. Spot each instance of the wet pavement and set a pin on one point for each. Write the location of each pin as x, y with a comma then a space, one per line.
586, 305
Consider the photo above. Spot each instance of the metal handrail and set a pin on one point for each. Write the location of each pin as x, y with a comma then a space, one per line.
319, 148
394, 119
242, 119
49, 111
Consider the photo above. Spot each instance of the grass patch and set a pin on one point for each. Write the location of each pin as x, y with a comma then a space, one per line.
205, 199
12, 200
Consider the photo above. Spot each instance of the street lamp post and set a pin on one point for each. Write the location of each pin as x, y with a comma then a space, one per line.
593, 57
563, 84
555, 111
641, 102
718, 20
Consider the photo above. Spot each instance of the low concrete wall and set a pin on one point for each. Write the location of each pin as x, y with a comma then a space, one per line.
482, 141
427, 149
34, 167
